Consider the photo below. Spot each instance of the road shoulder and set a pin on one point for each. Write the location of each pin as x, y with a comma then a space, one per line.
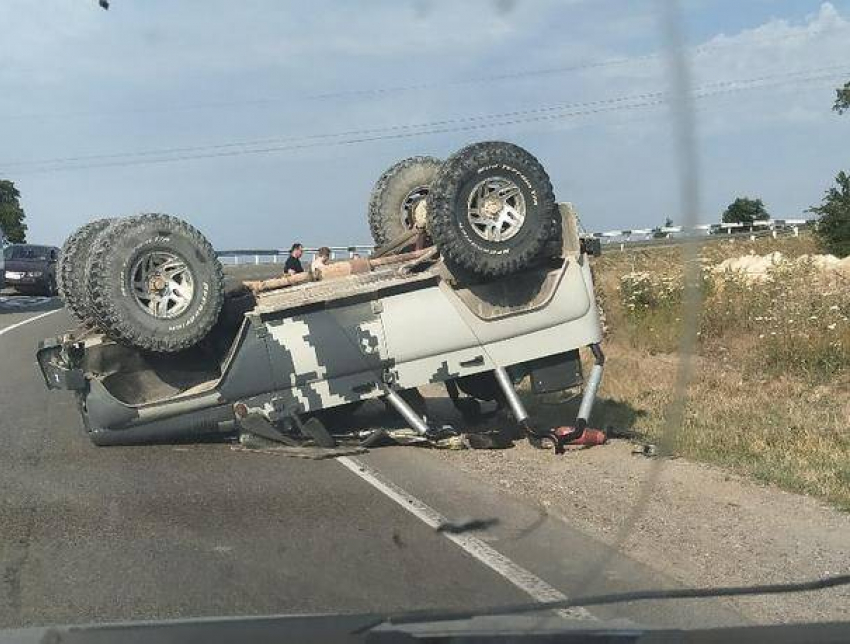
702, 526
524, 530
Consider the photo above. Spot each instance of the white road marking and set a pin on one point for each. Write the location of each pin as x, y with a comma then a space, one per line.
523, 579
14, 326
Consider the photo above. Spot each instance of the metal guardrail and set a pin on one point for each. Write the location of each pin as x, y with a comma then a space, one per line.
611, 238
622, 244
669, 240
723, 228
278, 256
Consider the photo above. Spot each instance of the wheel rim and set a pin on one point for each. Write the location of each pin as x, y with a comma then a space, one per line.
162, 284
413, 208
496, 209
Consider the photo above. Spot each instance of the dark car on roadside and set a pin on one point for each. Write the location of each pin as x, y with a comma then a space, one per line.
31, 268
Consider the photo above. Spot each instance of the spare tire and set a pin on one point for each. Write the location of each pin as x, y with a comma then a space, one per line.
156, 283
491, 209
397, 204
71, 272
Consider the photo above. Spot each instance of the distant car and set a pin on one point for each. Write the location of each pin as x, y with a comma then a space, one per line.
31, 269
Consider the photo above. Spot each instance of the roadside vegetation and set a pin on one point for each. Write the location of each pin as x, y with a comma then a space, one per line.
12, 217
770, 396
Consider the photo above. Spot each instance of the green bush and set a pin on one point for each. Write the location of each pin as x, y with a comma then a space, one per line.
833, 227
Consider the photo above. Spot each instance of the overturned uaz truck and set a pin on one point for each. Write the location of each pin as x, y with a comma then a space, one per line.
480, 280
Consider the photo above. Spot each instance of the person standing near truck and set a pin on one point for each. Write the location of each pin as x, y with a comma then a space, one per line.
293, 262
323, 258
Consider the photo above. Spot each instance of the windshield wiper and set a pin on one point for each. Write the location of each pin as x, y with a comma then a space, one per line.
615, 598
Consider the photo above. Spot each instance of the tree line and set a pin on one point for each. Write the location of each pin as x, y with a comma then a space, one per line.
833, 213
12, 216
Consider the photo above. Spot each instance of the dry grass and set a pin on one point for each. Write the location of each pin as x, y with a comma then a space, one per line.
771, 394
779, 430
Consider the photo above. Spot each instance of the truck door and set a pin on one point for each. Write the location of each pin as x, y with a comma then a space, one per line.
427, 340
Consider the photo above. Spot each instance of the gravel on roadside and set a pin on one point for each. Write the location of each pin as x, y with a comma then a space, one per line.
701, 525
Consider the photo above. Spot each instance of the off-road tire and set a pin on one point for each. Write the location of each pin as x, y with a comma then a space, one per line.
51, 288
115, 309
392, 189
71, 276
448, 201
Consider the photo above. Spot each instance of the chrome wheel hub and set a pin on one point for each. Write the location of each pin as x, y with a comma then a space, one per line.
162, 284
496, 209
413, 209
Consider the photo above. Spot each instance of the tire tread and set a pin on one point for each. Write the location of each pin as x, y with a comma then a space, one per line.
443, 226
379, 213
108, 316
71, 276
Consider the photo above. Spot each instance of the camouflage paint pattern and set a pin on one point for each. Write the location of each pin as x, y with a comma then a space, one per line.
303, 356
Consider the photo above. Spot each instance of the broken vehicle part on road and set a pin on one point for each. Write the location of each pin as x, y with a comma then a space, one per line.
280, 363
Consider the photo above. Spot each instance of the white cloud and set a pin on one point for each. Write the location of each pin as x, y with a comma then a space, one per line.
777, 46
785, 53
775, 49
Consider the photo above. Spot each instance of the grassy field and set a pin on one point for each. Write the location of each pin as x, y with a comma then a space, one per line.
770, 395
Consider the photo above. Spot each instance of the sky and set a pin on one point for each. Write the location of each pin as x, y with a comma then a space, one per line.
265, 122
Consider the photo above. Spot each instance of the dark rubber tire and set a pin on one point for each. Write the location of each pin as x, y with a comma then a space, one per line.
52, 288
115, 309
386, 218
71, 272
456, 238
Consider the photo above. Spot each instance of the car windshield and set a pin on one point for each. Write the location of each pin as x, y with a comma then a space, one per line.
327, 307
27, 252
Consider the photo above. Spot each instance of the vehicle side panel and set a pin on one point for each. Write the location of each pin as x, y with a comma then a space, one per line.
432, 335
428, 340
249, 369
570, 321
327, 357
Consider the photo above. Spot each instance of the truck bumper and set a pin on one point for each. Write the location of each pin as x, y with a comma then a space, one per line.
108, 421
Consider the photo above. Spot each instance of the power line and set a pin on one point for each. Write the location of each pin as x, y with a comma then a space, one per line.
502, 122
328, 135
395, 89
320, 139
386, 137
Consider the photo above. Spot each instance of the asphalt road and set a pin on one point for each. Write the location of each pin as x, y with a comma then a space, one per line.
92, 534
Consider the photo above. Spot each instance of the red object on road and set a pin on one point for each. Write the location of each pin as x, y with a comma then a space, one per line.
589, 437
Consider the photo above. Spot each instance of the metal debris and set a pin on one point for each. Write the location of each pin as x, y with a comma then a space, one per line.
647, 449
252, 443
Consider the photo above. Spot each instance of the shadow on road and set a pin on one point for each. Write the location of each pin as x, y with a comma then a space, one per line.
607, 412
11, 302
28, 303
